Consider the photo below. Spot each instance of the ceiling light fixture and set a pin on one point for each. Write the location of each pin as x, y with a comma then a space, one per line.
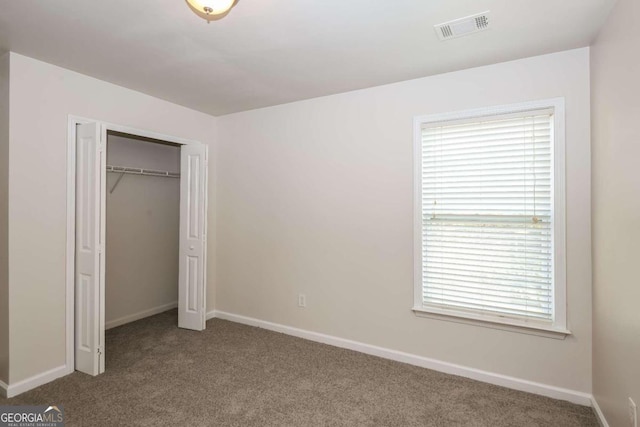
211, 10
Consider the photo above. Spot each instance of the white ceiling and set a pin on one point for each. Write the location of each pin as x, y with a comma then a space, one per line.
268, 52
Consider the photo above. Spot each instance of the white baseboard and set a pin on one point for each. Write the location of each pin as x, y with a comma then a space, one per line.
554, 392
140, 315
601, 419
12, 390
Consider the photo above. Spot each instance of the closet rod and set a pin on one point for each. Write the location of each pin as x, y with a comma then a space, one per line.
140, 171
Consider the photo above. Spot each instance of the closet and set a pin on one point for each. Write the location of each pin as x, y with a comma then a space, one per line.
137, 235
142, 228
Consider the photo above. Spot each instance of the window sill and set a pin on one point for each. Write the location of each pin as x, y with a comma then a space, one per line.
511, 325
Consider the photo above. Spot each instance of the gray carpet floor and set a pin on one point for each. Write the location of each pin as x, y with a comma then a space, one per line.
236, 375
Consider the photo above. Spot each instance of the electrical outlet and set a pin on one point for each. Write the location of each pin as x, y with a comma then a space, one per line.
633, 413
302, 300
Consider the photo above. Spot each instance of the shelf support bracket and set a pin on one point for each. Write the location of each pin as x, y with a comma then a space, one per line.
117, 182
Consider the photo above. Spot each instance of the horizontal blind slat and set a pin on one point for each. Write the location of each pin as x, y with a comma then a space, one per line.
486, 297
517, 277
488, 282
529, 275
494, 307
477, 286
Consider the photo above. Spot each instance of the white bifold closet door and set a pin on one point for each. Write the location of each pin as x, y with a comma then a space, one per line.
192, 268
89, 249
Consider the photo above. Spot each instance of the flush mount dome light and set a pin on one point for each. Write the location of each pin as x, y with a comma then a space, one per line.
211, 10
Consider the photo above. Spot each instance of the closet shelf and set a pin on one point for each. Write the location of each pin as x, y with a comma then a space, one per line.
140, 171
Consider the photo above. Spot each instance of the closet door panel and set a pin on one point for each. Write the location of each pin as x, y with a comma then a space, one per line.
89, 257
193, 180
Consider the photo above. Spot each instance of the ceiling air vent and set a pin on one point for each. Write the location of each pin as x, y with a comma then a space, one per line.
463, 26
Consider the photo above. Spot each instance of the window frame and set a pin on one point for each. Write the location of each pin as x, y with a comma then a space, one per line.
557, 328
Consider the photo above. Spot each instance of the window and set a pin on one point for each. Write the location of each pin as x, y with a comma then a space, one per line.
489, 207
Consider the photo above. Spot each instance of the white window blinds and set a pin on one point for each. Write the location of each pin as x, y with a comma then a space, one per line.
487, 215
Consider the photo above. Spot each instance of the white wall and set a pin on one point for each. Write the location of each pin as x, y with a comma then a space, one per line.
316, 197
42, 97
4, 222
615, 68
142, 230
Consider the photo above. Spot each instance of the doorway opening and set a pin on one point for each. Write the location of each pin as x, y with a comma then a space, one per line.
136, 233
142, 228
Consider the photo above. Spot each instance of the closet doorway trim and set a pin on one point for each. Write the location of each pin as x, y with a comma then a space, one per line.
73, 121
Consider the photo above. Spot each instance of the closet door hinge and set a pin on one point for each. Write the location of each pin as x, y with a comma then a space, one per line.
100, 350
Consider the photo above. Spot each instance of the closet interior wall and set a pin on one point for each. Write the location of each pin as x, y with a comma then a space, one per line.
142, 231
